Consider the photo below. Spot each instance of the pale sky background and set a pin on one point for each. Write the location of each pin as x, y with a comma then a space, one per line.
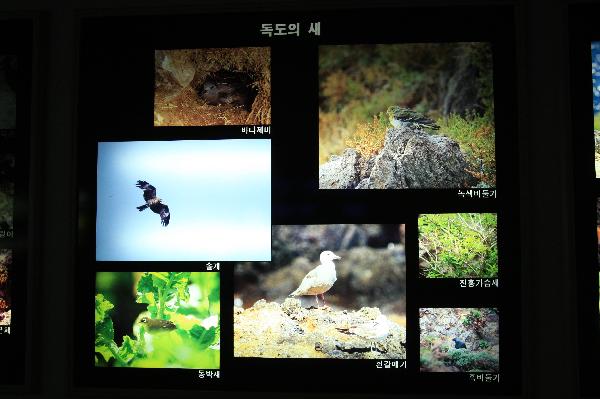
218, 193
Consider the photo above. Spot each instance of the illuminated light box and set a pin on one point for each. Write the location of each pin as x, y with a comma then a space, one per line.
458, 245
5, 297
215, 196
406, 116
157, 320
460, 340
213, 86
340, 285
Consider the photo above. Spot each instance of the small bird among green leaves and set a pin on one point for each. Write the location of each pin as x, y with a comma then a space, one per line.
405, 117
156, 325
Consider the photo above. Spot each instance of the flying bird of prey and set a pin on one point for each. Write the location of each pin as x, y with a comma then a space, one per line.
153, 202
320, 279
405, 117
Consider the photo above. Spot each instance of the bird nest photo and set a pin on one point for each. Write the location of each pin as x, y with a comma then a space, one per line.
185, 200
5, 298
157, 320
459, 339
458, 245
330, 291
403, 116
8, 93
212, 86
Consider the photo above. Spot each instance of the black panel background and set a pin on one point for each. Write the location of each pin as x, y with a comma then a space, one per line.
116, 67
16, 37
583, 31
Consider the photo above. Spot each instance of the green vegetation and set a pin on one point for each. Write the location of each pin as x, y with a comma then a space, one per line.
449, 82
458, 245
190, 302
472, 362
475, 320
476, 137
597, 121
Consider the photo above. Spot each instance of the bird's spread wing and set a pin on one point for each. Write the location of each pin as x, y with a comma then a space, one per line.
165, 215
149, 189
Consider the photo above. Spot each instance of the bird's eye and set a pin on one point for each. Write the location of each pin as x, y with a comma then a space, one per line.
144, 320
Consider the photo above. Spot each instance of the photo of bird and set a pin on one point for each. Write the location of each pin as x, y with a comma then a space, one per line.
458, 344
153, 202
405, 117
319, 280
156, 325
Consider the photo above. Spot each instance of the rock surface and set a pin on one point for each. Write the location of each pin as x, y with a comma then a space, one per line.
271, 330
340, 172
409, 159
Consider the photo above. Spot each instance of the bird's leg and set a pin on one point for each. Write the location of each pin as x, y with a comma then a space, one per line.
316, 296
323, 298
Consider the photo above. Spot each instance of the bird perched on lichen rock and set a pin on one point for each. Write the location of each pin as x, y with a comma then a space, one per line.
320, 279
405, 117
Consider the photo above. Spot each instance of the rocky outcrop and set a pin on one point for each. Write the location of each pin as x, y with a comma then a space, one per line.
409, 159
341, 171
271, 330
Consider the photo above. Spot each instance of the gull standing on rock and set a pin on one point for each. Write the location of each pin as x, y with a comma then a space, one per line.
320, 279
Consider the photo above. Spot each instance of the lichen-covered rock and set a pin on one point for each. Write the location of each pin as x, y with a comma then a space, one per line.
414, 159
409, 159
341, 172
271, 330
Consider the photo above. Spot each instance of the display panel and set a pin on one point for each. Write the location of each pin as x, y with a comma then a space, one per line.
339, 286
172, 321
217, 86
213, 199
16, 66
585, 55
458, 245
402, 116
455, 340
354, 310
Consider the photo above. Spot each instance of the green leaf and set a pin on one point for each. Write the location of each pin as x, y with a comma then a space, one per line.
102, 307
145, 289
203, 337
104, 351
129, 349
105, 331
